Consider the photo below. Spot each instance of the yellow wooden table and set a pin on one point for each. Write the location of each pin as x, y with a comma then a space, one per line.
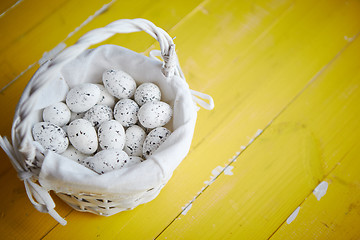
285, 77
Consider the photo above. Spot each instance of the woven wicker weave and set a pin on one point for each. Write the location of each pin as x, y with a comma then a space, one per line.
105, 206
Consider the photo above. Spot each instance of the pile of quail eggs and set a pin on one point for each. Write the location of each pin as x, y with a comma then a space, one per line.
106, 126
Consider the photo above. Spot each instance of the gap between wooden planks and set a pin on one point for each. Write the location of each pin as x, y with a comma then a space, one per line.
198, 78
290, 131
207, 161
7, 6
39, 35
336, 214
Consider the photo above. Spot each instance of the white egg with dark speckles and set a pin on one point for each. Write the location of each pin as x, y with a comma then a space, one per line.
106, 160
74, 154
154, 139
98, 114
119, 84
147, 92
111, 135
135, 137
105, 97
50, 136
125, 112
154, 114
58, 114
82, 97
82, 136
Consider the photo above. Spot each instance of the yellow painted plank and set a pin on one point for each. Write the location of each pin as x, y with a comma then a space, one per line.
337, 214
23, 21
7, 6
156, 11
18, 218
285, 163
245, 74
196, 46
246, 92
43, 37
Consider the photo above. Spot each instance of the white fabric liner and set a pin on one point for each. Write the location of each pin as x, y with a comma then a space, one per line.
64, 175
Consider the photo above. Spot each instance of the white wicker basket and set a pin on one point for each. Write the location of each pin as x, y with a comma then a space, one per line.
43, 170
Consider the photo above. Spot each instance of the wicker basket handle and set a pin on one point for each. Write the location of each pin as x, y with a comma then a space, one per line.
95, 36
28, 100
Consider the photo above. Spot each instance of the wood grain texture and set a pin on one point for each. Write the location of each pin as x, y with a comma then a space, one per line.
7, 6
337, 214
22, 21
45, 33
284, 76
243, 105
273, 176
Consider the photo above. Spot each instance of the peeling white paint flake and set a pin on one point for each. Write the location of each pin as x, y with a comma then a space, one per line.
227, 170
233, 159
293, 216
216, 171
89, 19
258, 132
320, 190
52, 53
186, 209
204, 10
349, 39
201, 190
242, 147
10, 8
17, 77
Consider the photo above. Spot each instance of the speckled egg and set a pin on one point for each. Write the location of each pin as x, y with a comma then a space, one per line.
125, 112
154, 139
106, 160
135, 137
82, 97
154, 114
50, 136
82, 136
58, 114
105, 97
111, 135
98, 114
147, 92
119, 84
74, 154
